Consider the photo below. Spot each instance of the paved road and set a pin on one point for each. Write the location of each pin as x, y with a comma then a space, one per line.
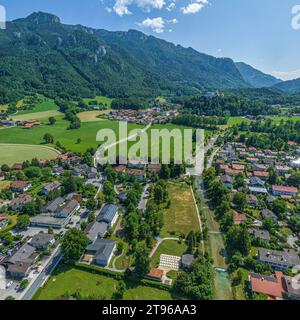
43, 276
143, 202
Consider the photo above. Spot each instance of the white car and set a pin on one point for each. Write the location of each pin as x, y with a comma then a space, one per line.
8, 285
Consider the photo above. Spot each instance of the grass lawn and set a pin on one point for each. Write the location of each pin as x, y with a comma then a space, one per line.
4, 184
146, 293
170, 247
233, 121
67, 280
11, 154
48, 105
67, 138
90, 116
43, 115
181, 217
100, 99
285, 118
239, 289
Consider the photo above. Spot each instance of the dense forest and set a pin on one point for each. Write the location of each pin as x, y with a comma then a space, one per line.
226, 105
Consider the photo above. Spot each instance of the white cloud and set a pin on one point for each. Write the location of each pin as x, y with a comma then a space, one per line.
194, 7
171, 6
157, 24
109, 10
121, 6
287, 75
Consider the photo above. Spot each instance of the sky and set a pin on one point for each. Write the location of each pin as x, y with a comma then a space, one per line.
263, 33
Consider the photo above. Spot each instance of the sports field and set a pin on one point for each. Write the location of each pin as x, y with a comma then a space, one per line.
181, 216
12, 153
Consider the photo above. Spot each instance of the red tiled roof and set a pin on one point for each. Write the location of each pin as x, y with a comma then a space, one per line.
238, 166
155, 273
272, 286
19, 184
285, 189
261, 174
239, 217
231, 171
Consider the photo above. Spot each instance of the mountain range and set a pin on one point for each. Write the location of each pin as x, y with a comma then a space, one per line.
40, 54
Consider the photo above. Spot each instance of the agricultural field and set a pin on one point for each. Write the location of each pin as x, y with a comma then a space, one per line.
67, 281
181, 216
12, 153
48, 105
171, 247
233, 121
67, 138
90, 116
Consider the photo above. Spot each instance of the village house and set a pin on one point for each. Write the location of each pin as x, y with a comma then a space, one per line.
239, 218
101, 252
19, 263
284, 191
108, 214
17, 166
95, 230
50, 187
279, 260
263, 235
268, 214
139, 174
261, 174
20, 186
42, 241
252, 200
18, 202
67, 209
227, 181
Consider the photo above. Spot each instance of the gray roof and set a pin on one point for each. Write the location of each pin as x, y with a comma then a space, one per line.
261, 234
107, 213
68, 208
101, 249
286, 257
96, 229
26, 253
255, 181
268, 214
46, 220
52, 205
42, 238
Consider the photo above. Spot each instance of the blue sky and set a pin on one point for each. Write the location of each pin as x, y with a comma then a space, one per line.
258, 32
